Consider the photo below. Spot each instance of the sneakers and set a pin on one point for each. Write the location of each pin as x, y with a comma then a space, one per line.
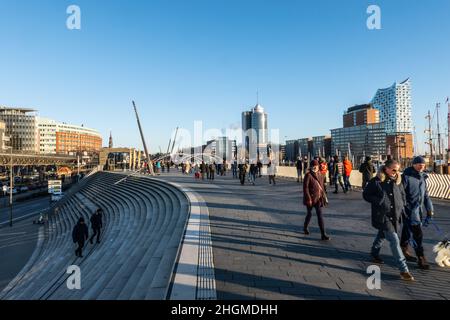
409, 257
423, 264
306, 231
377, 259
406, 276
325, 238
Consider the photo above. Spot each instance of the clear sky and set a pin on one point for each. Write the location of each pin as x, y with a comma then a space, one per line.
190, 60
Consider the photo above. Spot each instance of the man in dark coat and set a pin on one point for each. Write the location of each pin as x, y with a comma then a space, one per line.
367, 169
80, 234
96, 225
414, 181
386, 194
314, 197
299, 166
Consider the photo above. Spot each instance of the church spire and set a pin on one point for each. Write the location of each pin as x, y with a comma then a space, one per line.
110, 140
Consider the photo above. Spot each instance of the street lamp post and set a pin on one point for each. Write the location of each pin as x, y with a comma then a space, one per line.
11, 169
10, 190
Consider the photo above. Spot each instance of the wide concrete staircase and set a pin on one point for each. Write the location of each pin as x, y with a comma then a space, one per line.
144, 223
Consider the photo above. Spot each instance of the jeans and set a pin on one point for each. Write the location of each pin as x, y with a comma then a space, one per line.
394, 242
338, 182
347, 184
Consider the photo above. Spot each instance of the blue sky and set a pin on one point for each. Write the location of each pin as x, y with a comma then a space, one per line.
190, 60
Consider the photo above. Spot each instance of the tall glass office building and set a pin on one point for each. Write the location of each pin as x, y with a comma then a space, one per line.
255, 130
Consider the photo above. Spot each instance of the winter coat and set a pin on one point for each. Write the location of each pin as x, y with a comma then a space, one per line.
80, 233
313, 189
338, 169
299, 164
271, 170
367, 169
323, 168
417, 197
387, 198
348, 167
96, 221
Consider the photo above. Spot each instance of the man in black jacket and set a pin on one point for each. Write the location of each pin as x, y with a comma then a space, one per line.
299, 166
80, 234
386, 194
96, 225
367, 169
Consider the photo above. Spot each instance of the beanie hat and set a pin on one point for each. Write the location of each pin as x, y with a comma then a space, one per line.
314, 163
418, 160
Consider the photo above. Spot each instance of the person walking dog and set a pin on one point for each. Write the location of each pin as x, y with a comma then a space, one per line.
414, 182
314, 197
386, 194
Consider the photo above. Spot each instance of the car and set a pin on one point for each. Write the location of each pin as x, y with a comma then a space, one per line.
57, 197
14, 190
24, 189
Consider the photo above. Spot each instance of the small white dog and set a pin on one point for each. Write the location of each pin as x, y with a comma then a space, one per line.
443, 253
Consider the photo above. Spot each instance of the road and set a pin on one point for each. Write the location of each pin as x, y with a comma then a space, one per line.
22, 209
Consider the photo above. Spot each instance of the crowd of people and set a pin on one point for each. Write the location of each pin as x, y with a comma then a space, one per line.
397, 203
397, 200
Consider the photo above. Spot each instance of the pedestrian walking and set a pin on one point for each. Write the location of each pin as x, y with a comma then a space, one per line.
367, 170
234, 168
299, 167
259, 165
414, 182
305, 165
348, 167
80, 234
314, 197
202, 170
331, 171
96, 225
338, 174
242, 172
323, 169
271, 171
252, 173
386, 194
212, 170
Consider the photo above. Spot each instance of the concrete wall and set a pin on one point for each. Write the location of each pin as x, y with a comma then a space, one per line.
438, 184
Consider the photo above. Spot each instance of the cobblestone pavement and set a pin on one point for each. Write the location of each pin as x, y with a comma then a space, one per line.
260, 251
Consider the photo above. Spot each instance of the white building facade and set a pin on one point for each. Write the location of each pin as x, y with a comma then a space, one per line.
394, 104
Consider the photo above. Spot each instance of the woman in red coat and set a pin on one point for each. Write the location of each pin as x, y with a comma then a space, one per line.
314, 196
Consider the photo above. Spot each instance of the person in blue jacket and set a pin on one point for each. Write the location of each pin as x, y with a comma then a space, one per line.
414, 182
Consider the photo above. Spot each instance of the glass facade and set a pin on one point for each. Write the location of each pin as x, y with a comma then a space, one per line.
365, 140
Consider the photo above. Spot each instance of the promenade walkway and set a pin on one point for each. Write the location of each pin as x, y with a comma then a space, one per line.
260, 251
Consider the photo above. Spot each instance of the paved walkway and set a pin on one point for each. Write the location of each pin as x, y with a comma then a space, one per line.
260, 251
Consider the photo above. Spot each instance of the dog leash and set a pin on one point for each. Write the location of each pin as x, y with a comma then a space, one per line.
426, 222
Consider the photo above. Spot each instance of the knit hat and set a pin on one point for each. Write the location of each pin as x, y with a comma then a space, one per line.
314, 163
418, 160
